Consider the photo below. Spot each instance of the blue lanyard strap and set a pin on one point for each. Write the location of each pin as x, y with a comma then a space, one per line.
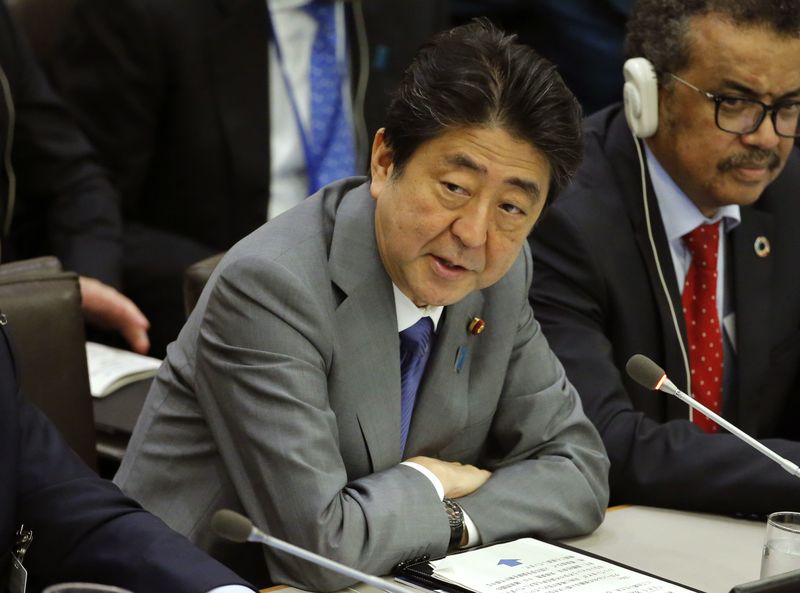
318, 141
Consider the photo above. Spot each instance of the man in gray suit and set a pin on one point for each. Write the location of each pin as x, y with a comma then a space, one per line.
285, 395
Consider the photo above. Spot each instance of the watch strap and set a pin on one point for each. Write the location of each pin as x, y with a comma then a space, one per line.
456, 517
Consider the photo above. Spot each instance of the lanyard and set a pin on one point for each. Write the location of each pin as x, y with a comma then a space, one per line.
314, 149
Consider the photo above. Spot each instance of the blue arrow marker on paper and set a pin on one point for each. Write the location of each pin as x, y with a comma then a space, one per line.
508, 562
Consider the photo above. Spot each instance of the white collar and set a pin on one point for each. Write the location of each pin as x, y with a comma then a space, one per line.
408, 313
679, 214
280, 5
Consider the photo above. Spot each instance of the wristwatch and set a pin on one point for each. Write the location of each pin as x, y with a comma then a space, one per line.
456, 517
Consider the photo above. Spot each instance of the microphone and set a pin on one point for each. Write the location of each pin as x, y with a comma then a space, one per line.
238, 528
648, 374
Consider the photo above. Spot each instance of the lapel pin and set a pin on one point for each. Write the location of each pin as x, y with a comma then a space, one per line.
461, 357
761, 246
476, 326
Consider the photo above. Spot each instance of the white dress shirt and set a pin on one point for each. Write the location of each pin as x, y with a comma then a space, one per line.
680, 216
407, 315
295, 30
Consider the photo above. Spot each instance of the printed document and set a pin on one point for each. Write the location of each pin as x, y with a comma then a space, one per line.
532, 566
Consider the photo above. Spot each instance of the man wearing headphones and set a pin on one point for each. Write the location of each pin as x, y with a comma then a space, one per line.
682, 244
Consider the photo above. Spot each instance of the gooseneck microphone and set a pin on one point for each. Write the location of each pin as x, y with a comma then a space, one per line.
238, 528
648, 374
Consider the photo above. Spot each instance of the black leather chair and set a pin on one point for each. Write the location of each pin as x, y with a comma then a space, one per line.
195, 279
43, 306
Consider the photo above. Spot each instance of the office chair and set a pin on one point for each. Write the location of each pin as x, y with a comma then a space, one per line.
195, 278
43, 306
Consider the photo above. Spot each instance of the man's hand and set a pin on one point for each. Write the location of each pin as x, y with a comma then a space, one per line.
107, 308
457, 479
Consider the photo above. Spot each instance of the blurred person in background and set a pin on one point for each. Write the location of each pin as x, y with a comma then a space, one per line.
54, 197
213, 116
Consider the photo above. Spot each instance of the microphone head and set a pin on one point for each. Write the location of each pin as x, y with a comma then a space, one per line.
645, 372
231, 525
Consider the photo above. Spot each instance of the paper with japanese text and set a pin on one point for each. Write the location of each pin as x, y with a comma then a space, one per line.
532, 566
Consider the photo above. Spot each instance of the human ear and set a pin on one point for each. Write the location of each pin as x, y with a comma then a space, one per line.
381, 164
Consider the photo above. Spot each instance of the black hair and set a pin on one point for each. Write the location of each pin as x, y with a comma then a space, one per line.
477, 75
657, 29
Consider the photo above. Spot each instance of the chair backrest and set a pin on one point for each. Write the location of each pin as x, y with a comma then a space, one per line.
195, 279
43, 307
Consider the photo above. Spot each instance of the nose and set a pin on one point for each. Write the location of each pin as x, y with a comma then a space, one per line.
763, 136
471, 226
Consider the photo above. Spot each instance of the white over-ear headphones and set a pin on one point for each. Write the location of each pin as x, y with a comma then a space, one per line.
640, 95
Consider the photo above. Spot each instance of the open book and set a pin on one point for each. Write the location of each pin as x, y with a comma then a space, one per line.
112, 368
530, 566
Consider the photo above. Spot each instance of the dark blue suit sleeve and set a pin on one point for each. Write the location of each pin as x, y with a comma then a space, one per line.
84, 528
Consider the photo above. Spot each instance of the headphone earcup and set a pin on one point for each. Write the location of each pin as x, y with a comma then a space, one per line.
640, 96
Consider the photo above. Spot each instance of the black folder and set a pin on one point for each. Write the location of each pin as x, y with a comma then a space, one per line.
788, 582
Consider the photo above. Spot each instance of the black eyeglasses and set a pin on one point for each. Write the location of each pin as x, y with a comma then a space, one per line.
739, 115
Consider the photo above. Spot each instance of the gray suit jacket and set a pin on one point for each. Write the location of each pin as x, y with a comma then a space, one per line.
281, 398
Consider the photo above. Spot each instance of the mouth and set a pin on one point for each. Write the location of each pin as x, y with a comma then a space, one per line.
752, 173
446, 268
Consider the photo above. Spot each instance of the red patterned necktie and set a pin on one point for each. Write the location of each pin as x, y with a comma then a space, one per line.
702, 321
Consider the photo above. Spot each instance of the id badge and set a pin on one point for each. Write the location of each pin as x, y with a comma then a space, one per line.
17, 576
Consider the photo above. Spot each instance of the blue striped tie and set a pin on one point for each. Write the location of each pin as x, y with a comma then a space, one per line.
414, 350
331, 142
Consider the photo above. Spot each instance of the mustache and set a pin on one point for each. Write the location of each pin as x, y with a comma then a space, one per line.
756, 157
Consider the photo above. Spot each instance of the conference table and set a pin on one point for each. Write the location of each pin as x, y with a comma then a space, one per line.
711, 553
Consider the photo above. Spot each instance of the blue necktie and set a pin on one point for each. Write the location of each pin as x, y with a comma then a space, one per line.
415, 345
331, 144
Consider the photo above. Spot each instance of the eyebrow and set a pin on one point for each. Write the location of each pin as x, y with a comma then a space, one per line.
463, 161
746, 90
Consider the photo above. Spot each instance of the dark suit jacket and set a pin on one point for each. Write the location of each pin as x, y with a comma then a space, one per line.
84, 528
64, 205
597, 296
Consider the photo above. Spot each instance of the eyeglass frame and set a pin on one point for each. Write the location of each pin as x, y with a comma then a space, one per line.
765, 108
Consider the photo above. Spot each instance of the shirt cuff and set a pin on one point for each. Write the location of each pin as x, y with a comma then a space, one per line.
428, 474
473, 535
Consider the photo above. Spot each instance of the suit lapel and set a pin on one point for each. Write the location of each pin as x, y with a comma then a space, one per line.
237, 54
751, 289
368, 347
367, 335
626, 165
442, 403
9, 442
